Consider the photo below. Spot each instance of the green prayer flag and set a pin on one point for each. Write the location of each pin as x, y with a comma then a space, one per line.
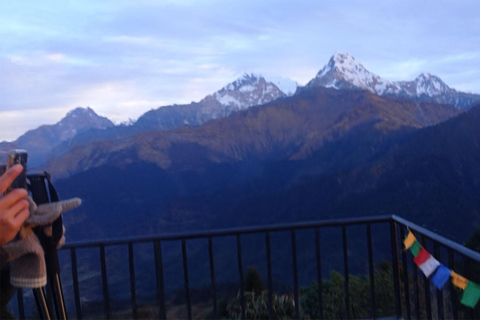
415, 248
471, 295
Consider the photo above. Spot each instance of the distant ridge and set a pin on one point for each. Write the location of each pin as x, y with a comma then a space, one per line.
39, 142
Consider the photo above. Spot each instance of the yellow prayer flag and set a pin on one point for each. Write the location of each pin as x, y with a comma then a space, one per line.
459, 281
409, 240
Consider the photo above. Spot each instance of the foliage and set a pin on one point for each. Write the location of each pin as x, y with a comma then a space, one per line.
253, 281
333, 296
256, 306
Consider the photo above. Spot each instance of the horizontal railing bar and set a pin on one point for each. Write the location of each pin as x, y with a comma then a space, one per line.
234, 231
438, 238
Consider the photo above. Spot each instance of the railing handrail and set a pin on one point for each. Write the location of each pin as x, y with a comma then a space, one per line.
283, 227
438, 238
233, 231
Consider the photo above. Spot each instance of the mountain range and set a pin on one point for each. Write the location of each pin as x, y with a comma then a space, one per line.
347, 144
341, 72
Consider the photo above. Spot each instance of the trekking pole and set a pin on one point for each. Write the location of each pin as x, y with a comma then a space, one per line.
41, 302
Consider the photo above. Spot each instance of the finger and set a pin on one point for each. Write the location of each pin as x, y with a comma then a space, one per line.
21, 217
7, 178
12, 198
15, 216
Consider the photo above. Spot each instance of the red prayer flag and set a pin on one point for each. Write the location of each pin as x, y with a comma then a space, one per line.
422, 256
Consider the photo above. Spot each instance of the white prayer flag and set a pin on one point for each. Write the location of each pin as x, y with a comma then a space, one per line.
429, 266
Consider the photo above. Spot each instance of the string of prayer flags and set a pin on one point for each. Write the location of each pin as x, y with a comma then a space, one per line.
439, 274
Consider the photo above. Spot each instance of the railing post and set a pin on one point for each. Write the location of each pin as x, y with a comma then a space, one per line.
76, 291
426, 285
319, 273
106, 296
406, 285
186, 278
441, 313
21, 306
453, 293
347, 276
240, 274
269, 274
395, 261
371, 272
133, 294
162, 313
295, 274
212, 277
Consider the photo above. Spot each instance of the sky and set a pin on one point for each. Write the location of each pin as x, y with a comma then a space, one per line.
123, 58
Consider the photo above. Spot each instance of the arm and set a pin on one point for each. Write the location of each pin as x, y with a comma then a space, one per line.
14, 208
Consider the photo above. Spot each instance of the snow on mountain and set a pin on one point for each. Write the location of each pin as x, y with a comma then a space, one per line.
80, 119
344, 72
247, 91
286, 85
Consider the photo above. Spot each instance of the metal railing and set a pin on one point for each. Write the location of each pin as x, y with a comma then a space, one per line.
294, 259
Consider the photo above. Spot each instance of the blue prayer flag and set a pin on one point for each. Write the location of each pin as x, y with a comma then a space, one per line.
441, 276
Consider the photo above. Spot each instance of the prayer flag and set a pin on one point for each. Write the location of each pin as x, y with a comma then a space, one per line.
409, 240
471, 295
422, 256
441, 276
415, 248
429, 266
459, 281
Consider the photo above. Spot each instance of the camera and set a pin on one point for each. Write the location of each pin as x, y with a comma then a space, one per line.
18, 156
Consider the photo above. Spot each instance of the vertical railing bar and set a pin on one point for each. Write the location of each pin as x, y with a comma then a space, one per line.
406, 284
295, 274
428, 302
76, 288
240, 274
106, 298
441, 313
212, 276
133, 294
21, 305
453, 293
186, 278
416, 292
466, 261
269, 275
371, 272
395, 260
319, 273
160, 280
347, 277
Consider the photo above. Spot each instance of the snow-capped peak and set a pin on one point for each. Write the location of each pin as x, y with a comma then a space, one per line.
248, 90
343, 71
430, 85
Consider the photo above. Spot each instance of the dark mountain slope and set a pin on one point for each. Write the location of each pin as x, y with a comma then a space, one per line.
430, 176
291, 128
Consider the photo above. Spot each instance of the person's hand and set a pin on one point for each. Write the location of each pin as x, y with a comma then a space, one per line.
14, 207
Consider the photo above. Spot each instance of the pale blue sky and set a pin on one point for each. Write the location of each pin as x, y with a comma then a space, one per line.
123, 58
